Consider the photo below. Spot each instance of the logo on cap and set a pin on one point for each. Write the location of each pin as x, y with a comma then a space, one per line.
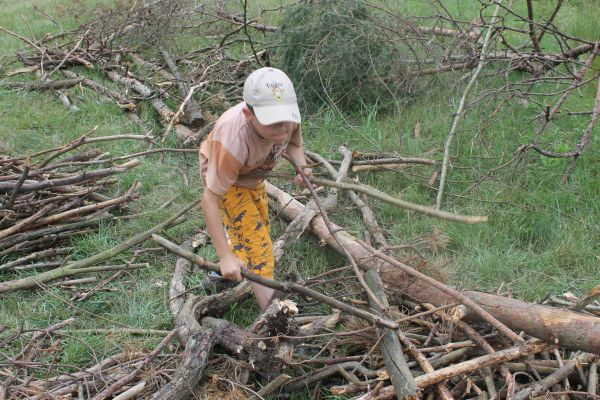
277, 90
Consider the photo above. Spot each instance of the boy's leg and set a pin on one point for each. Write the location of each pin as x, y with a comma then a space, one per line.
246, 220
263, 251
213, 281
233, 204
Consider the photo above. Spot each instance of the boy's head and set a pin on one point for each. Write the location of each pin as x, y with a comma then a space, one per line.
271, 95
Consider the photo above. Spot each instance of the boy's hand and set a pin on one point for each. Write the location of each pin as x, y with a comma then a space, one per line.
298, 178
230, 267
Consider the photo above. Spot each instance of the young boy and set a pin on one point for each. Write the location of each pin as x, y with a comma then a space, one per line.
245, 144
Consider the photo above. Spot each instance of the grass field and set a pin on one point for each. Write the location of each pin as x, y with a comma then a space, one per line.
542, 236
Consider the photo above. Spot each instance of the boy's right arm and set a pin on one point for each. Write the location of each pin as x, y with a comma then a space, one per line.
230, 265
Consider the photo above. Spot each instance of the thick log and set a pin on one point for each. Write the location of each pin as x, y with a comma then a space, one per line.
570, 329
266, 356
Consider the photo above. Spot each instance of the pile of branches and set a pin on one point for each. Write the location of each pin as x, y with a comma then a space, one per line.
167, 82
395, 332
433, 353
28, 372
54, 195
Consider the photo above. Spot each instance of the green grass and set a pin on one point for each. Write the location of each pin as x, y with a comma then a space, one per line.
542, 236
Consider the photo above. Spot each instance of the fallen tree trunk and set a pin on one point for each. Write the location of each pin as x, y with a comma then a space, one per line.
570, 329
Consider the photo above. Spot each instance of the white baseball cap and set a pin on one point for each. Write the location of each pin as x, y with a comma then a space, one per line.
271, 94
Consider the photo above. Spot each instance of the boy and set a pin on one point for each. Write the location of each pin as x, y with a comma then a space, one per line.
246, 142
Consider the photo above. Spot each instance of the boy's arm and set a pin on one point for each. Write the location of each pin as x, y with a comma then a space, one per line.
230, 265
296, 153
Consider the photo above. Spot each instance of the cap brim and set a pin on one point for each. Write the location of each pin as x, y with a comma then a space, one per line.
269, 115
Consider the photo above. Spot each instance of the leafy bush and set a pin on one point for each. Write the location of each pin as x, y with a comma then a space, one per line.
336, 51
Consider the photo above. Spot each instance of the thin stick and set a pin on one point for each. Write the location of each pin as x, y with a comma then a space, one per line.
245, 26
29, 42
69, 53
72, 282
41, 333
121, 331
372, 192
549, 22
17, 187
586, 135
368, 216
33, 256
461, 106
394, 160
532, 35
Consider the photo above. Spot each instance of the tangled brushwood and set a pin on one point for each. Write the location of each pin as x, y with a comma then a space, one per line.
390, 331
55, 195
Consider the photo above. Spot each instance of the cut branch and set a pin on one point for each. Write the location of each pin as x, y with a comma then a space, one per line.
372, 192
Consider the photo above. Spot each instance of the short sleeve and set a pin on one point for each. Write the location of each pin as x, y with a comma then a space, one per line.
222, 168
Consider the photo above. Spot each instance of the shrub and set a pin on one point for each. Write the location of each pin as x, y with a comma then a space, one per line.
337, 51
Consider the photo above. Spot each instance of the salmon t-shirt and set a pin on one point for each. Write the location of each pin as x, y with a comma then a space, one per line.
233, 154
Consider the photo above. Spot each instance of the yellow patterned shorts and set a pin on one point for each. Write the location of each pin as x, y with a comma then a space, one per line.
246, 219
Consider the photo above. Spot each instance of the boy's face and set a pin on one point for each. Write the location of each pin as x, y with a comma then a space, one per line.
278, 133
